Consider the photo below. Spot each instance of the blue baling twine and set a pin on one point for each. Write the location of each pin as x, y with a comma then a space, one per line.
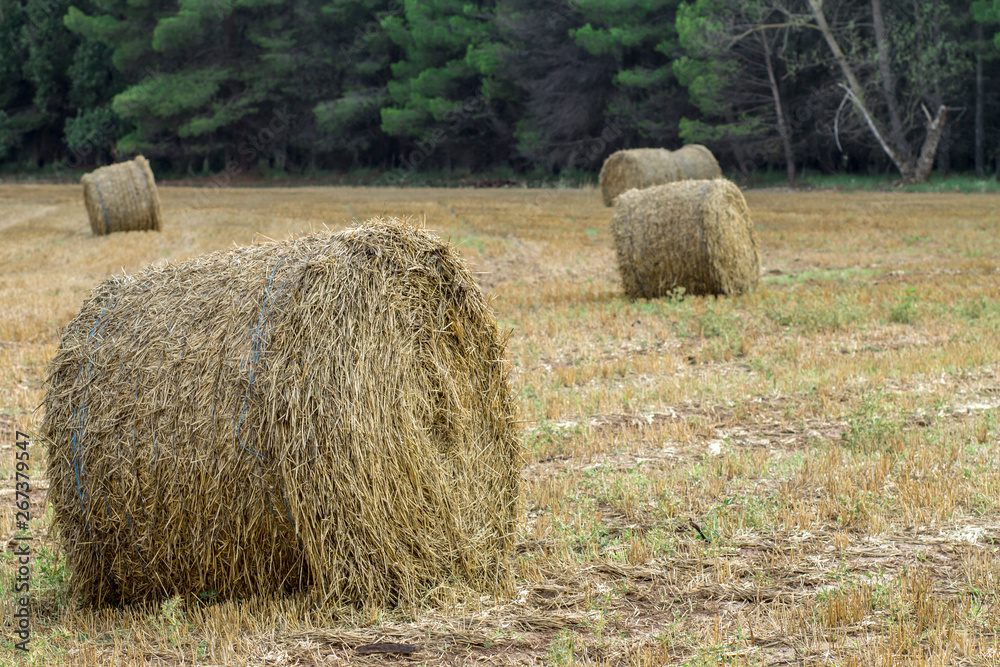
288, 508
76, 471
79, 470
255, 332
256, 348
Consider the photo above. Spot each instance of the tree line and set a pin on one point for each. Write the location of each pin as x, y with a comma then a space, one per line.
218, 86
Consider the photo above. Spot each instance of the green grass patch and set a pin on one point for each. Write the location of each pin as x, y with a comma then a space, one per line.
956, 182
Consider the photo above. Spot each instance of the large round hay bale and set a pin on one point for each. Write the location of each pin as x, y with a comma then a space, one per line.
641, 168
692, 234
330, 413
122, 198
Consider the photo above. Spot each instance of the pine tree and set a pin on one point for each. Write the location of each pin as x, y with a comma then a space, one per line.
735, 71
447, 93
349, 118
641, 38
36, 54
564, 89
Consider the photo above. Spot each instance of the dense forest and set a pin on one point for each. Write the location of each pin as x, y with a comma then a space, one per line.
542, 86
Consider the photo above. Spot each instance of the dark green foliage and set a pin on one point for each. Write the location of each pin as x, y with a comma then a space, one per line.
36, 53
93, 131
564, 89
641, 37
527, 85
347, 114
447, 94
738, 77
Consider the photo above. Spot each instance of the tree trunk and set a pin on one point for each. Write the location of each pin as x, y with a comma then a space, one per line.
935, 126
997, 176
855, 91
817, 11
998, 163
925, 162
786, 138
737, 145
937, 100
889, 83
281, 155
980, 162
944, 152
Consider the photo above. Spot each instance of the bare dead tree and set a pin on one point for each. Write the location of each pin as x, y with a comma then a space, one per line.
913, 169
783, 130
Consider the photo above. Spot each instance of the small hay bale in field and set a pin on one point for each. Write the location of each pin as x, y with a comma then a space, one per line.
641, 168
122, 198
697, 162
637, 168
331, 413
692, 234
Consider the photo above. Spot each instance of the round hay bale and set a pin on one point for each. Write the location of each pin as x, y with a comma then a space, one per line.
697, 162
637, 168
122, 198
641, 168
331, 414
692, 234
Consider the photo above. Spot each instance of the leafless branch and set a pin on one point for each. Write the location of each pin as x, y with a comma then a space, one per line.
759, 28
836, 121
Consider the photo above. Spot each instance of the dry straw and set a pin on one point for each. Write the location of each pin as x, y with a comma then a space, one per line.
697, 235
122, 198
330, 413
645, 167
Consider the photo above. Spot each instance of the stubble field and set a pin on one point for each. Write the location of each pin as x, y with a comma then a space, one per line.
809, 474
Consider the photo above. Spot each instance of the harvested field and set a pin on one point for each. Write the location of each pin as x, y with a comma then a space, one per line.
807, 474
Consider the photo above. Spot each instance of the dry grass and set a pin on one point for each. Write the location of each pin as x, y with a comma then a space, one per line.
803, 475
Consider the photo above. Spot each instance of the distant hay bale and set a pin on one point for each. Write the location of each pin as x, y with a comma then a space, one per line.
122, 198
637, 168
331, 414
645, 167
697, 162
692, 234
